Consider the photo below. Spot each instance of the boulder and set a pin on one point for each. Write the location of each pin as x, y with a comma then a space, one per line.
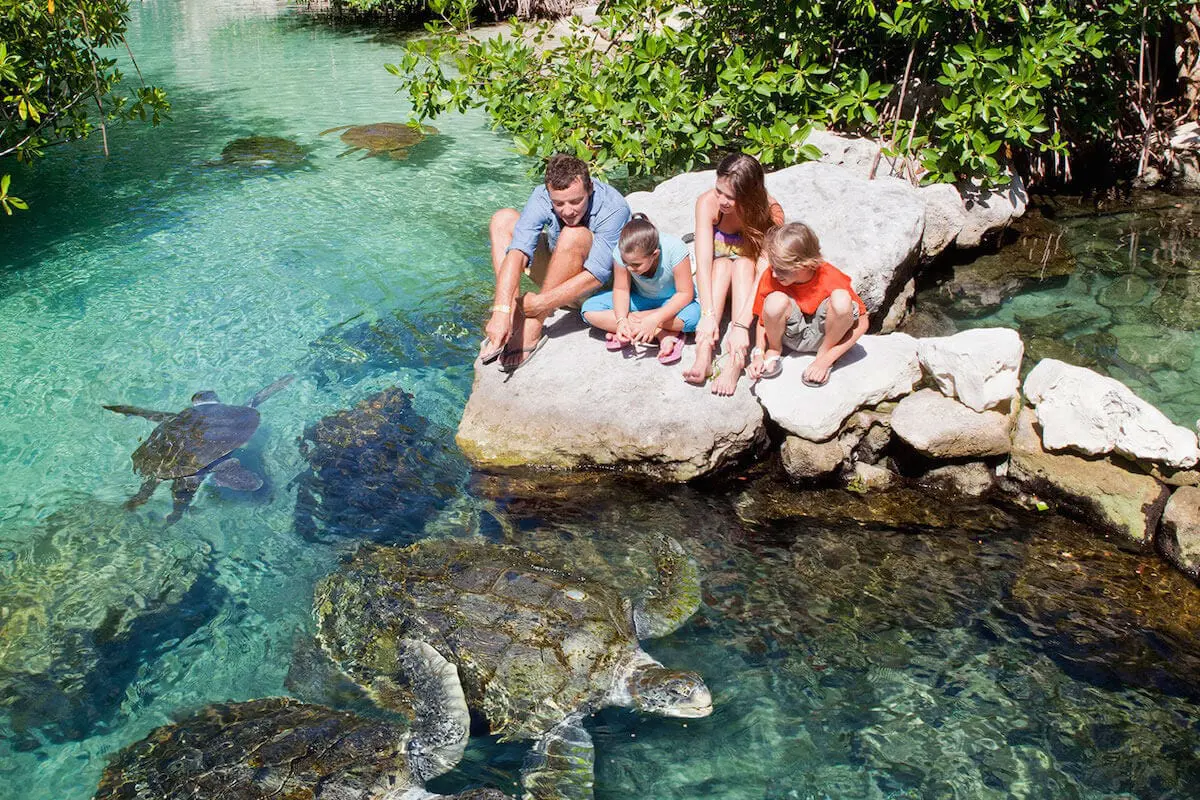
672, 204
871, 230
989, 210
877, 368
1082, 410
943, 428
1123, 503
805, 460
1179, 535
945, 216
973, 479
980, 367
575, 405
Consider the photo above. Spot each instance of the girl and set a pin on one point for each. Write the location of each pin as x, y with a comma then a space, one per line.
731, 220
652, 297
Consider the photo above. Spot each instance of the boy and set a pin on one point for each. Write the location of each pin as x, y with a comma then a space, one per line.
804, 303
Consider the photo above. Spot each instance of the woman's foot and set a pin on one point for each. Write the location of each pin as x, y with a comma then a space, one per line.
726, 383
697, 373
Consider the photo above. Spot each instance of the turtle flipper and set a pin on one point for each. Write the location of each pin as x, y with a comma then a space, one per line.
232, 475
143, 494
561, 766
134, 411
441, 720
263, 394
182, 491
666, 607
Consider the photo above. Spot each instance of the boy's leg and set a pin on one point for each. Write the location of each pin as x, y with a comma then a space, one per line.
841, 318
776, 310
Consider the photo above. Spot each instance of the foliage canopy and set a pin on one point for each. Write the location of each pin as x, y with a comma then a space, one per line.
660, 85
56, 83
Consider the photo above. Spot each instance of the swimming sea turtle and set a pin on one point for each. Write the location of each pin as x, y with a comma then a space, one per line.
380, 138
282, 748
537, 648
189, 445
261, 151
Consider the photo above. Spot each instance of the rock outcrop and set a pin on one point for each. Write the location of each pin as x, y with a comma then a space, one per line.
940, 427
1087, 412
1180, 535
575, 404
980, 367
878, 368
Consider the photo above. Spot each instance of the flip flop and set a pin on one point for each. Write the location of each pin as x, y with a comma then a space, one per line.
672, 355
613, 343
491, 355
529, 352
772, 367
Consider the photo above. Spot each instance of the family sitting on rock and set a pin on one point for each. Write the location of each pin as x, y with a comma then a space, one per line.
576, 234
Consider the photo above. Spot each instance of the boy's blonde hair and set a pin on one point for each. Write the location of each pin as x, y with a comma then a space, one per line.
792, 246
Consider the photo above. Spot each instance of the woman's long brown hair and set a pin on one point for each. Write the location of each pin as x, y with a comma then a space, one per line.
750, 194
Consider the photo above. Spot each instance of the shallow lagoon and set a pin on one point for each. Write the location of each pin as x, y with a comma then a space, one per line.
922, 657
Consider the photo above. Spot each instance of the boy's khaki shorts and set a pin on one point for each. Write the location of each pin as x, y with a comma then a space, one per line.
803, 333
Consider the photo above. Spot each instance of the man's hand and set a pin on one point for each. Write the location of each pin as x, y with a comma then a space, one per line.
533, 305
499, 328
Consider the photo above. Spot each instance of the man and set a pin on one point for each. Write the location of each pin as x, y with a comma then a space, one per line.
564, 240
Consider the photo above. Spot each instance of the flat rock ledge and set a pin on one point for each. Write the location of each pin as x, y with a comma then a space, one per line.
577, 405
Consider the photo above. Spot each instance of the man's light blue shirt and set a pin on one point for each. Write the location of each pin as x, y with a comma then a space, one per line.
606, 215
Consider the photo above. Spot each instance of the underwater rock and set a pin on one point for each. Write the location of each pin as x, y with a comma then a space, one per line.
877, 368
82, 603
1093, 414
1179, 536
971, 480
1178, 304
979, 367
1057, 324
262, 152
547, 414
943, 428
377, 471
1127, 290
1126, 504
1152, 348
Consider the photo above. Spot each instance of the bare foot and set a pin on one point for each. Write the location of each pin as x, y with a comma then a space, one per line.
816, 373
697, 373
726, 383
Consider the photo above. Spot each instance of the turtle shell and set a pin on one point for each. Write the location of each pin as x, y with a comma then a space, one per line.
277, 747
532, 643
193, 439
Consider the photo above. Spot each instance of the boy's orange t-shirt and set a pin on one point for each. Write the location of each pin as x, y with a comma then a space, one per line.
808, 295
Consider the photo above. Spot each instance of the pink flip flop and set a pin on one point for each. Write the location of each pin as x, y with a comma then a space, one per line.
672, 355
613, 343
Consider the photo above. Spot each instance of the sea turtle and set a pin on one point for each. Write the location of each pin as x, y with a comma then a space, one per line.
261, 151
537, 648
283, 748
189, 445
382, 138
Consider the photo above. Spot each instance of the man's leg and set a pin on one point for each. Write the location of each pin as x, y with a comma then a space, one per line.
566, 261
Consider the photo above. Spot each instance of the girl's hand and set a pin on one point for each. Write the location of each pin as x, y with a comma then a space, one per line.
624, 331
644, 329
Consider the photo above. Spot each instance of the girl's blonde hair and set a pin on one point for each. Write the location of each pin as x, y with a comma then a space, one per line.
792, 246
746, 176
638, 237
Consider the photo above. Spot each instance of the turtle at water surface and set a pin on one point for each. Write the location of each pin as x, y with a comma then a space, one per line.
382, 138
282, 748
261, 151
189, 445
537, 648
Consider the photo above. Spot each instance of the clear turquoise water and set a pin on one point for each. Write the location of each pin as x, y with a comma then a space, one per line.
848, 661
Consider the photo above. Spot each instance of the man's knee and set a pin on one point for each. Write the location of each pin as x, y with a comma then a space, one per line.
574, 239
503, 223
776, 306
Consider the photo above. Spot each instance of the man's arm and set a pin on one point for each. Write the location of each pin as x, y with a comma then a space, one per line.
535, 305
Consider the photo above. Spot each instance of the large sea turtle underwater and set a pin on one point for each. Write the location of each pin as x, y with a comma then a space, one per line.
261, 151
189, 445
537, 648
282, 748
382, 138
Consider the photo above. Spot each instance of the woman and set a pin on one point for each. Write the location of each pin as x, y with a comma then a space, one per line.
731, 220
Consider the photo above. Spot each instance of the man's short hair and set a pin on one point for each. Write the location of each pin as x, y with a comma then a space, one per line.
563, 168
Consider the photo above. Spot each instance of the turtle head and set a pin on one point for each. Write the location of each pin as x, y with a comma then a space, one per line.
668, 692
205, 397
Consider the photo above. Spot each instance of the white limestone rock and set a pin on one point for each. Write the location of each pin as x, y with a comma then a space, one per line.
980, 367
940, 427
575, 404
1082, 410
945, 216
871, 230
989, 210
877, 368
672, 204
